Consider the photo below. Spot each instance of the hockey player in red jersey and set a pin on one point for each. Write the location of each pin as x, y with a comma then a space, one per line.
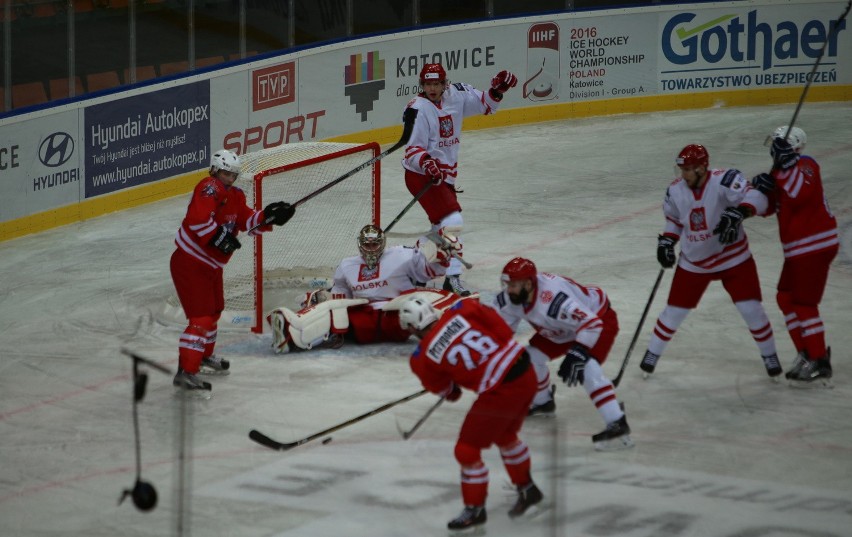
703, 209
353, 308
808, 232
469, 346
432, 151
571, 321
206, 240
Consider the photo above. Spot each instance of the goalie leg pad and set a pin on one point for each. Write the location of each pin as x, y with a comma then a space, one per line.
312, 325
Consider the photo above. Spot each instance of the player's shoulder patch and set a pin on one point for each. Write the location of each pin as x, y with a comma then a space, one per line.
729, 179
501, 299
556, 304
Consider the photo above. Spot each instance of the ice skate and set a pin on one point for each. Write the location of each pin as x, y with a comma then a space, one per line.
814, 373
648, 363
773, 366
455, 285
528, 496
471, 520
213, 365
616, 436
800, 360
546, 409
193, 385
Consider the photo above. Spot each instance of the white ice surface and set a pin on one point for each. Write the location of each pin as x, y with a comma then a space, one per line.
720, 450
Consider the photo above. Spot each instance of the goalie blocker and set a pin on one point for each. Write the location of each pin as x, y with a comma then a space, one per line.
325, 320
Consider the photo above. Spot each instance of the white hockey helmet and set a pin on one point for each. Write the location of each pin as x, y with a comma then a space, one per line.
417, 313
796, 137
371, 244
225, 160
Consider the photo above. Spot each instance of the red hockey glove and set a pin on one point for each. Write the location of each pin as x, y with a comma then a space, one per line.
503, 81
453, 393
433, 170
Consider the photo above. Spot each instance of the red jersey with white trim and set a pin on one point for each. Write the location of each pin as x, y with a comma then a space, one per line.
469, 345
437, 129
805, 222
562, 310
394, 274
212, 205
692, 214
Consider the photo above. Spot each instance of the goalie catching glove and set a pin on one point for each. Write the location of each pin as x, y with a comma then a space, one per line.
225, 241
442, 246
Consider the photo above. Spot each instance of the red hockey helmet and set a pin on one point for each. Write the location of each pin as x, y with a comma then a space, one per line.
433, 71
518, 268
693, 155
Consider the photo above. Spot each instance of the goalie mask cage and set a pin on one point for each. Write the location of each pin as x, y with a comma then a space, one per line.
276, 268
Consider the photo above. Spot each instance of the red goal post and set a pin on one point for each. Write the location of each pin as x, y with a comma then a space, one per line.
276, 268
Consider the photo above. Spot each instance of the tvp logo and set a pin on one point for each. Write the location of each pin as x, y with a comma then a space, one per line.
273, 86
364, 79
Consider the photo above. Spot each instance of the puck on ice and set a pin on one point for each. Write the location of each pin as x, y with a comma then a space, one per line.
327, 440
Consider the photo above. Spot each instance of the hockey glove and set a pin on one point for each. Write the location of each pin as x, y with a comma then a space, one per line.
433, 170
763, 182
574, 365
665, 251
453, 393
503, 81
728, 228
784, 156
278, 213
224, 241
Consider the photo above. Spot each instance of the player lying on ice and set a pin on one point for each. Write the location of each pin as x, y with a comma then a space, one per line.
353, 309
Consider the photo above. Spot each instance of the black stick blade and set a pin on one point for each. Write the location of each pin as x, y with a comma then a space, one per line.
265, 441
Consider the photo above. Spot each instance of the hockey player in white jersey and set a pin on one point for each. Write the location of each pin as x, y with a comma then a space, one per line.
573, 321
432, 151
703, 209
352, 308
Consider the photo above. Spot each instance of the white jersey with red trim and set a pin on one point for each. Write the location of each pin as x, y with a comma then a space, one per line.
562, 310
394, 274
437, 129
805, 221
692, 214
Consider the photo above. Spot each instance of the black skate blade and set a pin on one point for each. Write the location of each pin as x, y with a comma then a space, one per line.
615, 444
823, 383
473, 530
210, 372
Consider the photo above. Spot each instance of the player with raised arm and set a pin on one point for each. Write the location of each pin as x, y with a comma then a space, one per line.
431, 155
206, 240
701, 204
363, 284
808, 232
470, 346
573, 321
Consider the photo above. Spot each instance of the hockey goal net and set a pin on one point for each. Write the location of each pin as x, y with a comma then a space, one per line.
276, 268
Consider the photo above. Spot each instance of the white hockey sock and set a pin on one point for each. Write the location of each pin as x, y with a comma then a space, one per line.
758, 323
667, 324
540, 363
601, 392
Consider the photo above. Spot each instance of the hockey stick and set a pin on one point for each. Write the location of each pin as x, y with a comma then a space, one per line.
617, 379
810, 77
411, 203
407, 434
264, 440
408, 118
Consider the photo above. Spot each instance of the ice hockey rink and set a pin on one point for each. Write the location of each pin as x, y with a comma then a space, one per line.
721, 451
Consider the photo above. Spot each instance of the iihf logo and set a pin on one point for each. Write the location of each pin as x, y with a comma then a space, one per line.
364, 79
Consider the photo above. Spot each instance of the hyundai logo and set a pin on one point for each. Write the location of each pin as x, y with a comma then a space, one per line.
56, 149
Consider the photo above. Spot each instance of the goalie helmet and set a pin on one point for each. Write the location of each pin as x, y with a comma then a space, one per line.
796, 137
417, 313
225, 160
371, 244
433, 71
518, 268
693, 155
